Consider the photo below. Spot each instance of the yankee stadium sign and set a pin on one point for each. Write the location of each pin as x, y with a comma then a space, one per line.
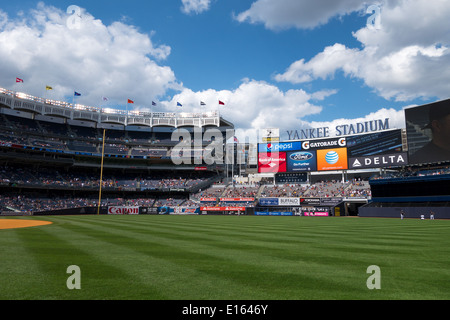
340, 130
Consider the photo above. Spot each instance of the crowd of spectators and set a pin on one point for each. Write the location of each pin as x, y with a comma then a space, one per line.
49, 177
34, 204
66, 137
241, 191
411, 172
22, 203
27, 204
325, 189
215, 191
284, 190
358, 189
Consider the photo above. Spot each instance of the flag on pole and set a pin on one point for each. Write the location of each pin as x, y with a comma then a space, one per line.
76, 94
130, 101
153, 103
202, 103
48, 88
221, 103
19, 80
179, 104
105, 99
236, 139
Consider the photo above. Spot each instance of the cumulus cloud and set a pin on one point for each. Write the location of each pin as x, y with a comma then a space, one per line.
195, 6
402, 60
254, 105
302, 14
120, 62
115, 61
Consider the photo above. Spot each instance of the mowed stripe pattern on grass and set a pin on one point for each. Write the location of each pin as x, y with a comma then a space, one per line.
226, 258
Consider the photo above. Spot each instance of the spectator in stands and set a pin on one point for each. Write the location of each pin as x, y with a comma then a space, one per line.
438, 149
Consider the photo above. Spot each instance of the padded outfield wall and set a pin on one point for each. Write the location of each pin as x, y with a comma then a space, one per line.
410, 212
416, 196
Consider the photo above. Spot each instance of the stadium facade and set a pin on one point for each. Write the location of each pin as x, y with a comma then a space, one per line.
60, 158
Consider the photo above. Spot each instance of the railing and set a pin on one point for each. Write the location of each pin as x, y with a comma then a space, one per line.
23, 101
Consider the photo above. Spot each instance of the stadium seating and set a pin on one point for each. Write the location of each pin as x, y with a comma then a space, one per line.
53, 165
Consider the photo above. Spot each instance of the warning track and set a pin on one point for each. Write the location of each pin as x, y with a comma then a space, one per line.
20, 223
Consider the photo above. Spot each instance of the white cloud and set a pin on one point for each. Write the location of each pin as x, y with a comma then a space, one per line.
302, 14
253, 105
403, 60
323, 65
120, 62
195, 6
116, 61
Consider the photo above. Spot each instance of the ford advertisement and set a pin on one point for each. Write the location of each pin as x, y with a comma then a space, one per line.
301, 161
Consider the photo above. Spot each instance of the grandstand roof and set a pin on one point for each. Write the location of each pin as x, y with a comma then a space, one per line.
65, 111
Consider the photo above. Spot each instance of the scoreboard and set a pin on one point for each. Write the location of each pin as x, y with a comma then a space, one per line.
375, 150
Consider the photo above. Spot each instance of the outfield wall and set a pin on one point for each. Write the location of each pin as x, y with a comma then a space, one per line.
410, 212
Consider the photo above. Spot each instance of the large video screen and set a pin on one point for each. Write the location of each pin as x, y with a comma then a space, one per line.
428, 132
375, 150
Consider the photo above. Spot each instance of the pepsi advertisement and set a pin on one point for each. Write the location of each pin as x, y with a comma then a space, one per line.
280, 147
300, 161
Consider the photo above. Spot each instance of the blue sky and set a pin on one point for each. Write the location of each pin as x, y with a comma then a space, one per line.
287, 64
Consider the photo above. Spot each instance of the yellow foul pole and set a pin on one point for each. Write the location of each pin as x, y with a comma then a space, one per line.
101, 174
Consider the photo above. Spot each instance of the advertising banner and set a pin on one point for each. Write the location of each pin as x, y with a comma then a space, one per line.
272, 162
222, 208
301, 161
184, 210
208, 199
330, 201
268, 201
280, 147
332, 159
123, 210
379, 161
237, 199
273, 213
324, 144
289, 201
310, 201
316, 214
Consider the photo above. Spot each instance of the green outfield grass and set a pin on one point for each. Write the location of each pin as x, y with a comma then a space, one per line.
226, 258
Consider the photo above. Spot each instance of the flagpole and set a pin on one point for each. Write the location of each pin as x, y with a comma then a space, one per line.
47, 88
101, 174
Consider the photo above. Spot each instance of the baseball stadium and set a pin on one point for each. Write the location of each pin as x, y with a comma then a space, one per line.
135, 202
